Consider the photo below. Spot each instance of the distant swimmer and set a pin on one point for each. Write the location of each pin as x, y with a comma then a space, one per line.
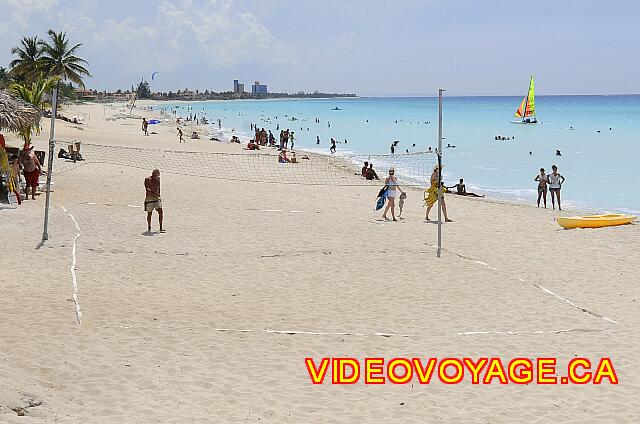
598, 131
317, 139
407, 150
413, 145
449, 146
530, 153
558, 153
329, 124
394, 145
429, 150
570, 128
610, 129
345, 141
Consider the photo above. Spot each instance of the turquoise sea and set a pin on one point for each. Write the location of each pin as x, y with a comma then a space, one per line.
598, 136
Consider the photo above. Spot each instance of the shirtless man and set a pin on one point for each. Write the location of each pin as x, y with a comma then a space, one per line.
32, 169
152, 199
461, 189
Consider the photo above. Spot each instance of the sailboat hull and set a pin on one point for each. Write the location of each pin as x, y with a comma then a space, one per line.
524, 122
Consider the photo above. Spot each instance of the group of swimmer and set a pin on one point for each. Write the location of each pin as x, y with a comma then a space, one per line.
394, 145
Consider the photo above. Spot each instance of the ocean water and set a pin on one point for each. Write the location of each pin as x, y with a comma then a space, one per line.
601, 168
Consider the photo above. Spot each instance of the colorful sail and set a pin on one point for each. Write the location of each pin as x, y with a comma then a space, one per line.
531, 102
528, 106
520, 112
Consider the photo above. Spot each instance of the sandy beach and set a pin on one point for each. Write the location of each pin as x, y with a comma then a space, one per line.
212, 320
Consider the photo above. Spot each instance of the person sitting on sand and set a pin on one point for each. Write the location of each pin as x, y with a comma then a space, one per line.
461, 190
282, 157
431, 194
371, 173
252, 145
543, 180
194, 136
152, 198
364, 169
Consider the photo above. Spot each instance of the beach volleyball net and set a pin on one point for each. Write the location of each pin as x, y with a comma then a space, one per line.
413, 169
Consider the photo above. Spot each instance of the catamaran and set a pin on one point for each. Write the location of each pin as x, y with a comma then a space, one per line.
527, 109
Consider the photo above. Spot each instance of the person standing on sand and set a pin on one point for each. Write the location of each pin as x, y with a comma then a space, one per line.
291, 140
332, 149
543, 180
432, 195
31, 170
145, 126
180, 138
392, 182
152, 198
555, 184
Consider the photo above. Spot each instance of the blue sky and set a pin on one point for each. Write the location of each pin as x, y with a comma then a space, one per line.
376, 47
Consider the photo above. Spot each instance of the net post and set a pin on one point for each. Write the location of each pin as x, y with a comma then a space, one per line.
52, 143
439, 252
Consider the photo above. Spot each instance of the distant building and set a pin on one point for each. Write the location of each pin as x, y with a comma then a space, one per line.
258, 88
237, 87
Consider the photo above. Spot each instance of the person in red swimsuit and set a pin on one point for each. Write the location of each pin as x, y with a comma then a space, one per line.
32, 170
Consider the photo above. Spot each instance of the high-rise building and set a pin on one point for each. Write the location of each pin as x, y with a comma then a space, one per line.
236, 86
258, 88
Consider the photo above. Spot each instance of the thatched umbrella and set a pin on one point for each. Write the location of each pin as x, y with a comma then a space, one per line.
16, 114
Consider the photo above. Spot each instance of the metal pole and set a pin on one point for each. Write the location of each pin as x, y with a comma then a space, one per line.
440, 91
52, 144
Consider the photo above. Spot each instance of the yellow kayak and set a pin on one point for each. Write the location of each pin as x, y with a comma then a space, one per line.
595, 221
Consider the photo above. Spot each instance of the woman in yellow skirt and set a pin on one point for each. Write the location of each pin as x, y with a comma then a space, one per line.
431, 195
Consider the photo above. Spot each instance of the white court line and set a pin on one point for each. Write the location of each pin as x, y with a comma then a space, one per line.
357, 334
73, 268
515, 333
109, 204
538, 286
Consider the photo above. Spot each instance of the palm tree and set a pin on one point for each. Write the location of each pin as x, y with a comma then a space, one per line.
33, 93
58, 59
4, 78
27, 62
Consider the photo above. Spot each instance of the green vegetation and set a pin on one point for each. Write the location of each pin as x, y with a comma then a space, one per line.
144, 90
38, 66
33, 93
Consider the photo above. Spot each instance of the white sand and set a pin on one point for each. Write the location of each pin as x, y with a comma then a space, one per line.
150, 349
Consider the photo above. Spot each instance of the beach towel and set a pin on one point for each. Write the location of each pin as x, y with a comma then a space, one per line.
382, 191
382, 197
